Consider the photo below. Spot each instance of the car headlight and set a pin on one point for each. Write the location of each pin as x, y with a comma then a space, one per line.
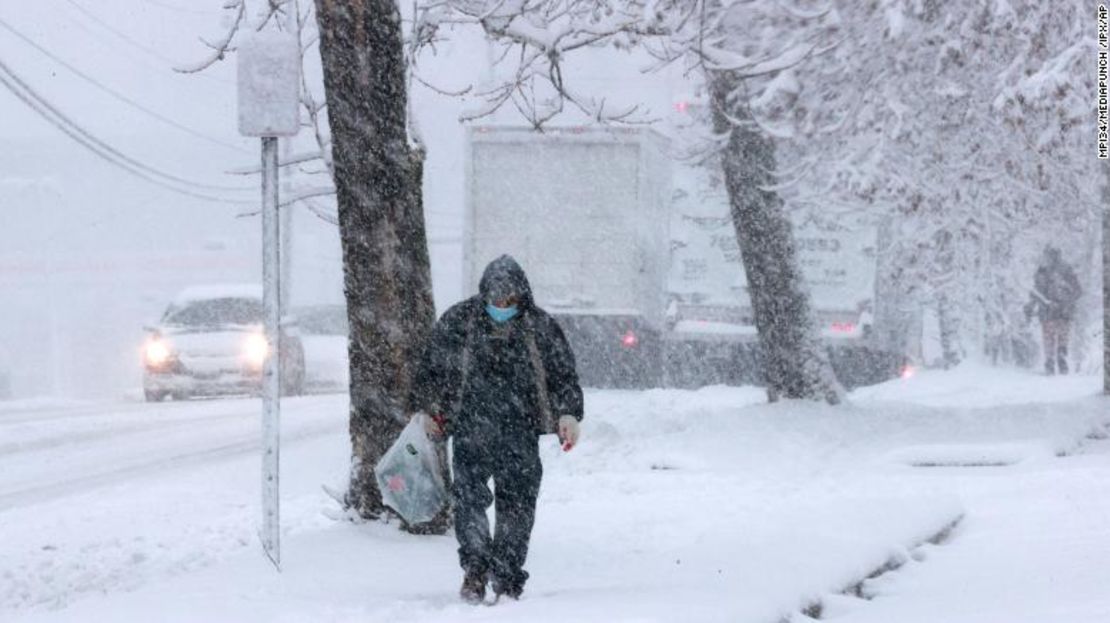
255, 349
157, 352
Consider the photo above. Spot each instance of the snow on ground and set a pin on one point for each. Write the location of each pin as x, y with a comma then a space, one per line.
678, 506
979, 385
1031, 550
325, 359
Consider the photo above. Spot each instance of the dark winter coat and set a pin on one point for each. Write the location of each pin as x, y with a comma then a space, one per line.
1056, 291
501, 393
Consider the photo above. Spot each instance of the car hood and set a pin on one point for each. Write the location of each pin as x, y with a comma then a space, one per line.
221, 342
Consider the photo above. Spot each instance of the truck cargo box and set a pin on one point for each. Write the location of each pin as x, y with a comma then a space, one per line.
586, 214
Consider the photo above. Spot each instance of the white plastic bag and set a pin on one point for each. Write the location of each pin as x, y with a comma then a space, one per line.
408, 475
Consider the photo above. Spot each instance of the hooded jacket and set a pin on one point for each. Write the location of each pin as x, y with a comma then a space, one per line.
481, 375
1056, 289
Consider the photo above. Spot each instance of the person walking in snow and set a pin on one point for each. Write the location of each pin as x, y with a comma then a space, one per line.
1055, 294
496, 373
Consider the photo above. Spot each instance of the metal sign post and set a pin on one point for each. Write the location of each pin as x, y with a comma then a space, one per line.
269, 96
271, 371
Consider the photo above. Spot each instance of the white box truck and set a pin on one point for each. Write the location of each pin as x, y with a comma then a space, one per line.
713, 335
636, 256
586, 213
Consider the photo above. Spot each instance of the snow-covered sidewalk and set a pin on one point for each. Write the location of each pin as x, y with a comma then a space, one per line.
677, 506
1032, 549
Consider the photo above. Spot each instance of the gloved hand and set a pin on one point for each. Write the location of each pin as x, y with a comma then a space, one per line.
568, 432
435, 426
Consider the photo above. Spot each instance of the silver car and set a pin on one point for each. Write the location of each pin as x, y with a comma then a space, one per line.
210, 342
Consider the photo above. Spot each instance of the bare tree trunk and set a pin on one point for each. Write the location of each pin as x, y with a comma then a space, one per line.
795, 364
378, 175
949, 332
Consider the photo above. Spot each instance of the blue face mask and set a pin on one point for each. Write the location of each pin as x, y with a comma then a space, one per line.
501, 314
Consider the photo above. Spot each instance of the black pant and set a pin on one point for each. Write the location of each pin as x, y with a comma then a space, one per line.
1056, 332
514, 465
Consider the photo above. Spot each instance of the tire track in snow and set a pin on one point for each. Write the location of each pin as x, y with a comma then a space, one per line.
189, 458
107, 410
150, 426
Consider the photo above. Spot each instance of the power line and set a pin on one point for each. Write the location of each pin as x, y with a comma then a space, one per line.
122, 35
136, 44
96, 150
116, 94
52, 115
179, 9
44, 103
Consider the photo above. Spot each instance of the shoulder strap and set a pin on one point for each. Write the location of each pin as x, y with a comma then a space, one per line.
464, 366
547, 418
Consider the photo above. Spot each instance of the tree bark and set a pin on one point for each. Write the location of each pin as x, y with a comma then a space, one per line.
378, 177
949, 332
795, 364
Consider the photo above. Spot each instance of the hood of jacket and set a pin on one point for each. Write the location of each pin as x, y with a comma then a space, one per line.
503, 277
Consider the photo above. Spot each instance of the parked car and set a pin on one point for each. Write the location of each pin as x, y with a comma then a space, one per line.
210, 342
324, 330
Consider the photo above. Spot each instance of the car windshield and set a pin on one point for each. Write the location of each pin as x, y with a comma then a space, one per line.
216, 312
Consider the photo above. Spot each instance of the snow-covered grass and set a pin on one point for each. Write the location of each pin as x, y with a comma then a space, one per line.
701, 505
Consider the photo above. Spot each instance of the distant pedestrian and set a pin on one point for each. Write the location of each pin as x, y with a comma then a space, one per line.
1055, 295
497, 372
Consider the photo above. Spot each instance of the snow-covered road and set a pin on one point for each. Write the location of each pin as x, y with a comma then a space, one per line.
678, 506
47, 451
102, 497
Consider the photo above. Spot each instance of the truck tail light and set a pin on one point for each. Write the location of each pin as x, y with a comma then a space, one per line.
630, 339
843, 327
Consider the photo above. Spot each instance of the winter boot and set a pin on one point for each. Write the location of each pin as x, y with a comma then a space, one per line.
503, 589
473, 589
